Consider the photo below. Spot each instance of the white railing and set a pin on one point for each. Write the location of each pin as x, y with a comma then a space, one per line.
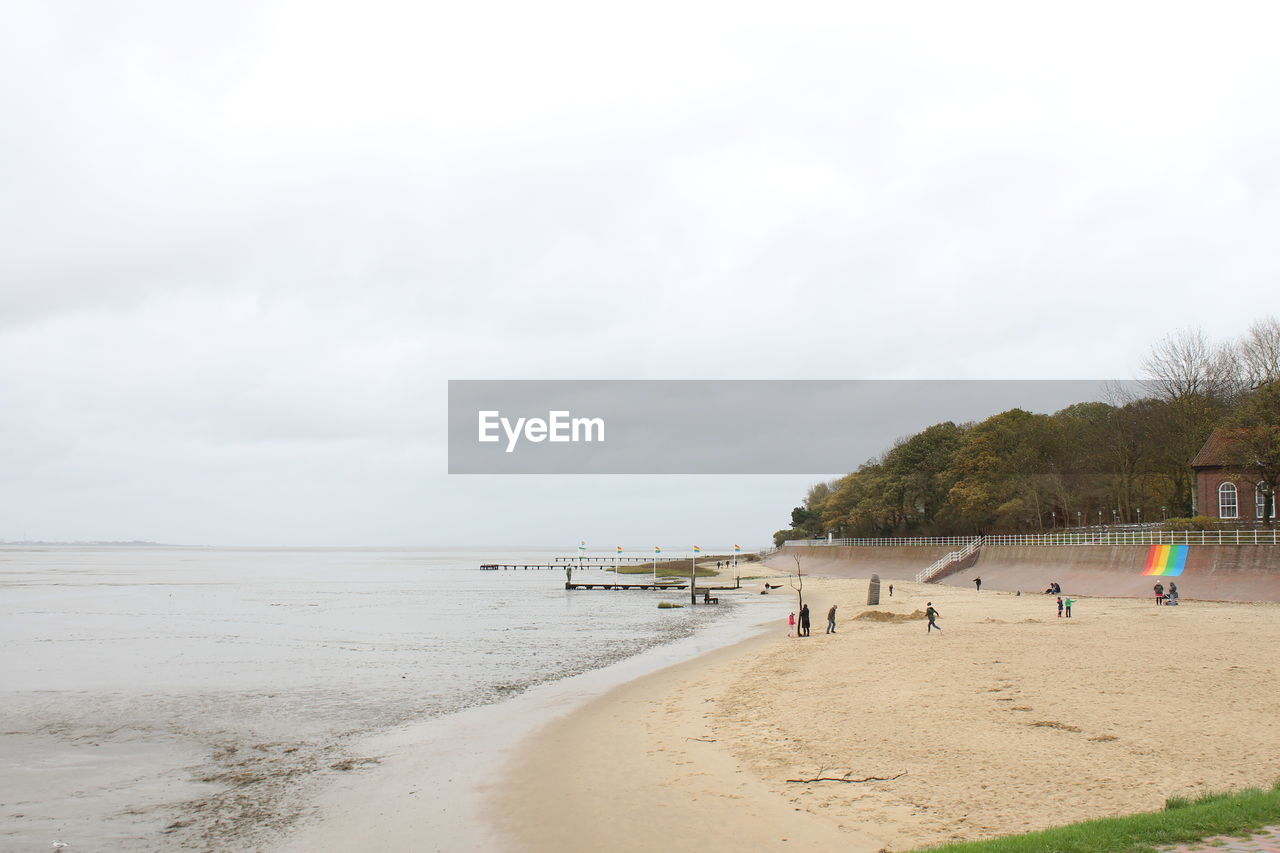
1145, 537
881, 543
1109, 537
943, 563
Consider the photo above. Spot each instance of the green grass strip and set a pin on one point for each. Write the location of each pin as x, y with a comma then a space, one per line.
1181, 822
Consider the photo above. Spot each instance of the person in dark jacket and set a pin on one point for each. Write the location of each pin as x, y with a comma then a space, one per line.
804, 621
933, 617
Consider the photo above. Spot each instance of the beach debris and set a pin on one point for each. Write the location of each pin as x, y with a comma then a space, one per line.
1053, 724
353, 763
668, 605
886, 616
703, 739
59, 845
845, 778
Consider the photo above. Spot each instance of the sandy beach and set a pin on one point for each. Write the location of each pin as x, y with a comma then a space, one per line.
1010, 720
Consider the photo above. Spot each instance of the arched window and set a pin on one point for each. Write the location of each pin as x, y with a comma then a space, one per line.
1261, 498
1227, 506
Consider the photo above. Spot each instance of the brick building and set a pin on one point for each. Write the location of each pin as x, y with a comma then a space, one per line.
1220, 491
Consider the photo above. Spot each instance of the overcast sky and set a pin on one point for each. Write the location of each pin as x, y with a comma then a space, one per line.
243, 246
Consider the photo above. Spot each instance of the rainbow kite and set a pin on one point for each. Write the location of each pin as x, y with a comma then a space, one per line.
1166, 560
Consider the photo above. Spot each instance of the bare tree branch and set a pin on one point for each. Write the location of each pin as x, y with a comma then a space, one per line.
1187, 364
1259, 352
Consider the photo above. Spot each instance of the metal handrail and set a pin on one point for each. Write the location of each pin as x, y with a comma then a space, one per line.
940, 565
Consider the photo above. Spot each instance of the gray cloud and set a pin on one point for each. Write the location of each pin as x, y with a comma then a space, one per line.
243, 246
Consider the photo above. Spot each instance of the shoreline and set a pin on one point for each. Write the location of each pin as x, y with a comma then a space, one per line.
433, 784
1012, 720
206, 699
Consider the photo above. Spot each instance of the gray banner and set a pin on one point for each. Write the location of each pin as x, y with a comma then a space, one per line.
820, 427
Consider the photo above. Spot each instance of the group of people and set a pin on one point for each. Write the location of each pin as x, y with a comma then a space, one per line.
1163, 597
803, 628
800, 628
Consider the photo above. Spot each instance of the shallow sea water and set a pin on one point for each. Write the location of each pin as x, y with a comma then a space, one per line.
166, 698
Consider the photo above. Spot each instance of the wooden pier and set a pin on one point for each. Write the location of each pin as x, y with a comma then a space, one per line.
700, 591
607, 585
494, 567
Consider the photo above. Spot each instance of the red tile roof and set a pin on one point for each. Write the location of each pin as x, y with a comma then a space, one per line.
1219, 450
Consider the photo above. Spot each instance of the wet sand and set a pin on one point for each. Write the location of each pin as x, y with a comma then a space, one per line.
1009, 720
435, 786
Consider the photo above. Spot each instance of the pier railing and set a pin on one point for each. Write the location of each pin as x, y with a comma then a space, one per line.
1111, 537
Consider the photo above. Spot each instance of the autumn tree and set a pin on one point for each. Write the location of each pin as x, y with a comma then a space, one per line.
1253, 447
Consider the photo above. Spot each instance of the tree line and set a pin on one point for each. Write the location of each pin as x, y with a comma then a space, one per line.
1122, 461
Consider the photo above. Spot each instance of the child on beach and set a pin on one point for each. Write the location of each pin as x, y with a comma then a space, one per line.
933, 617
1068, 603
791, 623
1059, 607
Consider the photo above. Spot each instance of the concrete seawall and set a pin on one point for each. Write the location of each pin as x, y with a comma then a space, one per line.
894, 561
1213, 572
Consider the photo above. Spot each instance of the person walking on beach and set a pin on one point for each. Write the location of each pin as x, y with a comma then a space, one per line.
1068, 603
791, 623
1059, 607
933, 617
891, 590
831, 620
977, 582
804, 621
1159, 591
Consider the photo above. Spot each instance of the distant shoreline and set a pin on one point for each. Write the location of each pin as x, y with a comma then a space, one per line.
131, 543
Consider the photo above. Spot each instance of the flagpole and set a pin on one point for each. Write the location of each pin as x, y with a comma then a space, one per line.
693, 577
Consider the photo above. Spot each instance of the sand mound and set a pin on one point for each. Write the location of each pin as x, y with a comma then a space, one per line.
886, 616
